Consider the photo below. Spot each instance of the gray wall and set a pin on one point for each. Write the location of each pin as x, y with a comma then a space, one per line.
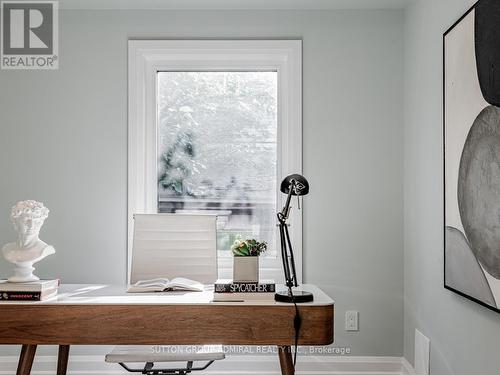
464, 336
63, 140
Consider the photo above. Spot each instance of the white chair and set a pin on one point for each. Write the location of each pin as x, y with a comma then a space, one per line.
171, 245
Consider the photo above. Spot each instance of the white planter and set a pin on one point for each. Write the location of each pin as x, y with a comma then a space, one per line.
246, 269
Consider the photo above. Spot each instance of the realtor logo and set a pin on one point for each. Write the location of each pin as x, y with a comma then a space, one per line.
29, 35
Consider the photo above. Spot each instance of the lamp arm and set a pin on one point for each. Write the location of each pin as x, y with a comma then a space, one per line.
286, 207
284, 253
292, 260
286, 245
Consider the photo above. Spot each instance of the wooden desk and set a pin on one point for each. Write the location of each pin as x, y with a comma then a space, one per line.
106, 315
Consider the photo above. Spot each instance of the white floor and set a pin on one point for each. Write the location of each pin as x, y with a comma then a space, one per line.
234, 365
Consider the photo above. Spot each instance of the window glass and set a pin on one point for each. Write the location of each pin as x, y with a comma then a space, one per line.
217, 150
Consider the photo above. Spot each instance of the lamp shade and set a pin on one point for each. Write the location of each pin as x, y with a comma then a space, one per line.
301, 185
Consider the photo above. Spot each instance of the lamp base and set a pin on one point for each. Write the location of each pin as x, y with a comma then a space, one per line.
300, 296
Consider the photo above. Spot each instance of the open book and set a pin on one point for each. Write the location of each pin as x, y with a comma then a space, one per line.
163, 285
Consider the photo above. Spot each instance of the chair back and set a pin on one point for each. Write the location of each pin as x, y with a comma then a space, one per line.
174, 245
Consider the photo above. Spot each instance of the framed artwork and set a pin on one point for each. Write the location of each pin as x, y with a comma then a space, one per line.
471, 80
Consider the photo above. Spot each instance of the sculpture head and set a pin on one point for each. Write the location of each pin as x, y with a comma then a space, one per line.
28, 217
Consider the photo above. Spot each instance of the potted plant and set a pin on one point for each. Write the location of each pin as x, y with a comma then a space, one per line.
246, 259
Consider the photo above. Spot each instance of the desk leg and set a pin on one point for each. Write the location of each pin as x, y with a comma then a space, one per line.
62, 359
286, 361
26, 359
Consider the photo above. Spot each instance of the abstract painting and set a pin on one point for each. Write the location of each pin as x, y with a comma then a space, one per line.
472, 154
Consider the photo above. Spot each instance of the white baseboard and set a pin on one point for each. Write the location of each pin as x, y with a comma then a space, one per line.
232, 365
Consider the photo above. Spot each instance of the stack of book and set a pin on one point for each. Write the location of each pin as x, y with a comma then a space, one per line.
227, 290
41, 290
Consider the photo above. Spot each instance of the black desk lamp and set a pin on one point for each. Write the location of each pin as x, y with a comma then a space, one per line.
297, 185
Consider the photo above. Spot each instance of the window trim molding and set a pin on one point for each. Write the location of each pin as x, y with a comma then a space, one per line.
147, 57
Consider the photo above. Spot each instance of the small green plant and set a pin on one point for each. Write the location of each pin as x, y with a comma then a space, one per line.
248, 248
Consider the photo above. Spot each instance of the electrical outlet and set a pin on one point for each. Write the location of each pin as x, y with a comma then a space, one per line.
351, 320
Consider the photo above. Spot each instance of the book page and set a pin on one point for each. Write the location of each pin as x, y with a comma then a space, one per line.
181, 283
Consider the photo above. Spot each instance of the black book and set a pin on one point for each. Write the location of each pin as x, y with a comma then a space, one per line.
228, 286
27, 295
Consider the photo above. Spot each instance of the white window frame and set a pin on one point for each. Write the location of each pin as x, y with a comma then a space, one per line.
148, 57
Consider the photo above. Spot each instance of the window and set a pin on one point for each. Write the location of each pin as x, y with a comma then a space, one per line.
213, 128
217, 150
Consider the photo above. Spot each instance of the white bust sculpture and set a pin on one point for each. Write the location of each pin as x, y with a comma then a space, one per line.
27, 217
